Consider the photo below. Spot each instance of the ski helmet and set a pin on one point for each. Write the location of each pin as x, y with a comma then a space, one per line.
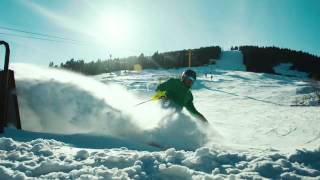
189, 74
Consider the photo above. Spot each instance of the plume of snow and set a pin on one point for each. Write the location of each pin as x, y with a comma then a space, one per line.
58, 101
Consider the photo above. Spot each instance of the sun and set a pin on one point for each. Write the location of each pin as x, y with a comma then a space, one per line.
115, 29
116, 26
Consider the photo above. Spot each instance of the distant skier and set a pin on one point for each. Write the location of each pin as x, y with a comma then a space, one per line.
175, 93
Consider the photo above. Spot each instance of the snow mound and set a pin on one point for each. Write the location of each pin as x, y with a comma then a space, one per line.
23, 160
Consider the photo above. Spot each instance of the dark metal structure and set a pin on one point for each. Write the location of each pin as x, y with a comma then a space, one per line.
9, 109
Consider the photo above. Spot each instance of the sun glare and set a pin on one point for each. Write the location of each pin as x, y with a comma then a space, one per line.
116, 26
114, 29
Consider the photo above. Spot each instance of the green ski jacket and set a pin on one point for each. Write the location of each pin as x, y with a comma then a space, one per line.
181, 95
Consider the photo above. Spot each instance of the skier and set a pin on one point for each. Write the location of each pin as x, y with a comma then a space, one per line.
175, 93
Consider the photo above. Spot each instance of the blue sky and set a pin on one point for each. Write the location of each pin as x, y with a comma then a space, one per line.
129, 27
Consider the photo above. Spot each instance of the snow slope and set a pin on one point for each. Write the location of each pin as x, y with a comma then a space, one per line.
285, 69
90, 127
231, 60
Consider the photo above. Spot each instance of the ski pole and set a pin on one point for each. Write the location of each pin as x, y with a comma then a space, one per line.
143, 102
157, 96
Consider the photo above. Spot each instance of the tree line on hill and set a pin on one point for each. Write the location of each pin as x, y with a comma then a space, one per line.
264, 59
174, 59
255, 58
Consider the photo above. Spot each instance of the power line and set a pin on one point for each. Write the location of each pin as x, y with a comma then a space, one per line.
38, 38
38, 34
17, 35
47, 37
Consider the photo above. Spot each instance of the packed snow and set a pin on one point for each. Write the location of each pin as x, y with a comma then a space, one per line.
77, 127
286, 69
230, 60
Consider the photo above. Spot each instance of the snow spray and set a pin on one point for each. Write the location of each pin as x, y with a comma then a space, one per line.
58, 101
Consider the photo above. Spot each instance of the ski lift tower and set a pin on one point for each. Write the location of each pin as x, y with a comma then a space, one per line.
9, 109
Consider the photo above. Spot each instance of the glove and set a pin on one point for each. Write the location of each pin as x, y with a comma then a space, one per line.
159, 95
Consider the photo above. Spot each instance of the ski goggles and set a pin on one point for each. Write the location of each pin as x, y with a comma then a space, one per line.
190, 78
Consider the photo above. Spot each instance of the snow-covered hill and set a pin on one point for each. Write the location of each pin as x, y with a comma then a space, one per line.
231, 60
90, 127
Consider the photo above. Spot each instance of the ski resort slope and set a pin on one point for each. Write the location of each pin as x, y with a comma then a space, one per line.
93, 128
230, 60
